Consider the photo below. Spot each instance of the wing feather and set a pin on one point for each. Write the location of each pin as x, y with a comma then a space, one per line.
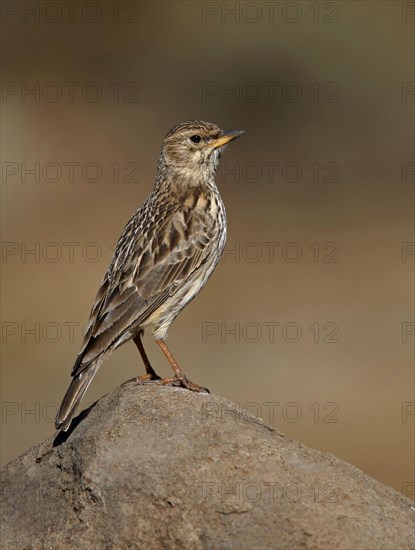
147, 268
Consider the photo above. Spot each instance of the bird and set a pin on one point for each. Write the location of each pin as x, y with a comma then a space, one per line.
163, 258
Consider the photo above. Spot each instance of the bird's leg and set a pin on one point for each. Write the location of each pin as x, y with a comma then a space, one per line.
150, 372
179, 374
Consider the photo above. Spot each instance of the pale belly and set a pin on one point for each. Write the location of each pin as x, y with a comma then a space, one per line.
162, 318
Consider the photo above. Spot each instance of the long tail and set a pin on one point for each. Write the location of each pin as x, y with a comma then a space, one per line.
73, 396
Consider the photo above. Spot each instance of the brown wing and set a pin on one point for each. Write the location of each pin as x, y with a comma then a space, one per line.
148, 266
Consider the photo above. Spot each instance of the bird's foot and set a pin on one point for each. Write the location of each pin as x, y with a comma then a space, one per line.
146, 378
184, 382
143, 378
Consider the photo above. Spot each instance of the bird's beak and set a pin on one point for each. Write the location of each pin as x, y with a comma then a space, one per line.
225, 138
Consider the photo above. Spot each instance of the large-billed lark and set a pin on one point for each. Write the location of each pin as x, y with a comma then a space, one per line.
163, 258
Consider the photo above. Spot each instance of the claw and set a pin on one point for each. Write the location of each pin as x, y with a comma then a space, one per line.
184, 382
137, 380
146, 378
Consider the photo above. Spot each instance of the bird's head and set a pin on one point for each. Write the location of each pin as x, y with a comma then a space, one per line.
196, 146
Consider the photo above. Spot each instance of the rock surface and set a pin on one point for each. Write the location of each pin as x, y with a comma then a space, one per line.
152, 467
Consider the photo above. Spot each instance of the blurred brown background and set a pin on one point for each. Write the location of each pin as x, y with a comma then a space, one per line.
323, 91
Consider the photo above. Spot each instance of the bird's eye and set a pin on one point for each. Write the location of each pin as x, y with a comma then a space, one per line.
195, 139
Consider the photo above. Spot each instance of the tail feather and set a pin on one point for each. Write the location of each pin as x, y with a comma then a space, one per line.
73, 396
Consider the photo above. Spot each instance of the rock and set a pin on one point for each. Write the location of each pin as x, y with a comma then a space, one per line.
154, 467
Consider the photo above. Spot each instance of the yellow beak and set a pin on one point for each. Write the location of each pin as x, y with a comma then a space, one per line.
225, 138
